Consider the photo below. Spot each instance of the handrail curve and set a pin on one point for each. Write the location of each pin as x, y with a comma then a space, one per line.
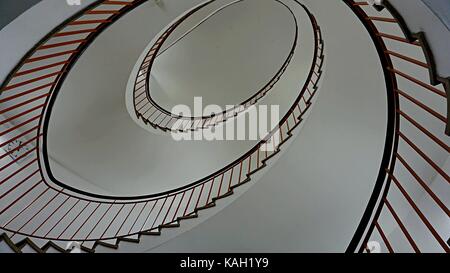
408, 141
414, 139
151, 113
55, 213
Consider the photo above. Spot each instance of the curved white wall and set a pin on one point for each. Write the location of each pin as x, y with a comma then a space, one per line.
228, 58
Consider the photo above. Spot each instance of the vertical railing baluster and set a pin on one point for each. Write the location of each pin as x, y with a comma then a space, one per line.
179, 205
73, 220
220, 186
84, 222
148, 215
200, 195
231, 178
168, 210
209, 192
125, 220
137, 218
111, 222
159, 212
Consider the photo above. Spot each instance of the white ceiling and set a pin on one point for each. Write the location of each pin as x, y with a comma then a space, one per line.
228, 58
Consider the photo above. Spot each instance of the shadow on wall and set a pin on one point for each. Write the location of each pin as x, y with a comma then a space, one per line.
11, 9
441, 8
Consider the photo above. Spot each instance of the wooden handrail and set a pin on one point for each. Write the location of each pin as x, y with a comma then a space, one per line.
190, 122
408, 148
65, 214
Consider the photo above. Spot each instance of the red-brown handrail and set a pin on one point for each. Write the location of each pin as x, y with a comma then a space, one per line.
32, 206
417, 142
153, 114
36, 205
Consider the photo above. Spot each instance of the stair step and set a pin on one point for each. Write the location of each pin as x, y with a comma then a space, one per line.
132, 238
187, 217
88, 246
151, 233
52, 247
7, 246
273, 154
224, 195
174, 225
262, 166
240, 184
108, 243
40, 243
210, 205
16, 238
60, 245
28, 246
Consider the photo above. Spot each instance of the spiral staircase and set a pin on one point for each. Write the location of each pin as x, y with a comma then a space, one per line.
406, 210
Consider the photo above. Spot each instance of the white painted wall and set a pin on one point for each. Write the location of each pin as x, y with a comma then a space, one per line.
441, 8
239, 48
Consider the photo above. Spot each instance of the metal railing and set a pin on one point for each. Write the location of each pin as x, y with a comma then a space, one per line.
39, 211
409, 202
153, 114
